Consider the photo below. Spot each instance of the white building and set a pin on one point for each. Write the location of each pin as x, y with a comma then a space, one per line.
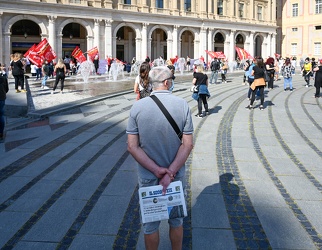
137, 28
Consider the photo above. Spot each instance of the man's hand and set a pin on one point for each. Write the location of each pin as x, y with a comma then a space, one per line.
165, 182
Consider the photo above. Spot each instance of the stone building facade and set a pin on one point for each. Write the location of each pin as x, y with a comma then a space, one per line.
137, 28
299, 30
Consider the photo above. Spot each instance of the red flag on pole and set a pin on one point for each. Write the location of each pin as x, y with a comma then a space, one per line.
78, 55
243, 54
45, 50
92, 53
217, 54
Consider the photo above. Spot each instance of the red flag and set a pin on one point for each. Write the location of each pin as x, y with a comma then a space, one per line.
243, 54
218, 54
78, 54
44, 50
29, 50
92, 53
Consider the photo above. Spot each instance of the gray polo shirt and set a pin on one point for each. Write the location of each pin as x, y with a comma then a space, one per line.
157, 137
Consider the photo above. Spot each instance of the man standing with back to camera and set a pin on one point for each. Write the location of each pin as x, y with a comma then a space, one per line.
155, 145
215, 67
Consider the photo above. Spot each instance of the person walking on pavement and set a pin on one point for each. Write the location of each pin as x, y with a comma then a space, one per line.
4, 88
224, 68
200, 80
214, 67
60, 70
271, 72
287, 72
307, 71
250, 78
45, 73
158, 150
318, 79
17, 68
259, 82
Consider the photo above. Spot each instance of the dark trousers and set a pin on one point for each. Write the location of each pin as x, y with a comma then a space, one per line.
261, 92
317, 91
19, 81
250, 81
62, 78
270, 83
202, 100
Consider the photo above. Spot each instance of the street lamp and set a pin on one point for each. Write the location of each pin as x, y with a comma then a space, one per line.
25, 35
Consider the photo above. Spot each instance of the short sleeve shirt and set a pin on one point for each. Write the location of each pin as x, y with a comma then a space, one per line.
157, 137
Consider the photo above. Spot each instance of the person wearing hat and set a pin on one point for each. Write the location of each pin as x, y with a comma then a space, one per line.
159, 151
4, 88
318, 79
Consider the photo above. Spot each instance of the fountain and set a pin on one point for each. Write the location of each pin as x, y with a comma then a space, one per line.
181, 63
86, 68
158, 62
117, 68
135, 68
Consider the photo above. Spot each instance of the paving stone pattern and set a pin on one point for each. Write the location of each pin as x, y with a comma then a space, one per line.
253, 180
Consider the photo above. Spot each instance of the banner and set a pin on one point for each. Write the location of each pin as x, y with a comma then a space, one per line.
92, 53
44, 50
243, 54
78, 55
217, 54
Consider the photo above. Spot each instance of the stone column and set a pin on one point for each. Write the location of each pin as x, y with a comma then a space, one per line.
273, 44
265, 46
182, 7
96, 40
52, 33
210, 42
231, 56
146, 46
251, 9
7, 46
215, 3
193, 6
108, 37
59, 47
175, 41
203, 41
251, 43
225, 11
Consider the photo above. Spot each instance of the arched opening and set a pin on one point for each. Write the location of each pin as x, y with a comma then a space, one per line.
258, 46
24, 34
187, 48
239, 43
74, 35
125, 44
219, 43
159, 44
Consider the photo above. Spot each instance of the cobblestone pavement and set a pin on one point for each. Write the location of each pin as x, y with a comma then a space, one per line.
253, 181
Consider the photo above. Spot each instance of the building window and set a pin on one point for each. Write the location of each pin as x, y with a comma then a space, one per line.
294, 29
295, 9
317, 49
241, 9
75, 1
220, 8
318, 6
294, 49
159, 4
318, 27
187, 5
127, 1
259, 13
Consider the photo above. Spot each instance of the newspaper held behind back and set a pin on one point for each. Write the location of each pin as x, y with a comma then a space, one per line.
155, 207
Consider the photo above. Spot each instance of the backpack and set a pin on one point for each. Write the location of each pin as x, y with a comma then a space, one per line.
214, 66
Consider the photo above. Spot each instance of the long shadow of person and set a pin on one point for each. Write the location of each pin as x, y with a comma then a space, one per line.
230, 191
